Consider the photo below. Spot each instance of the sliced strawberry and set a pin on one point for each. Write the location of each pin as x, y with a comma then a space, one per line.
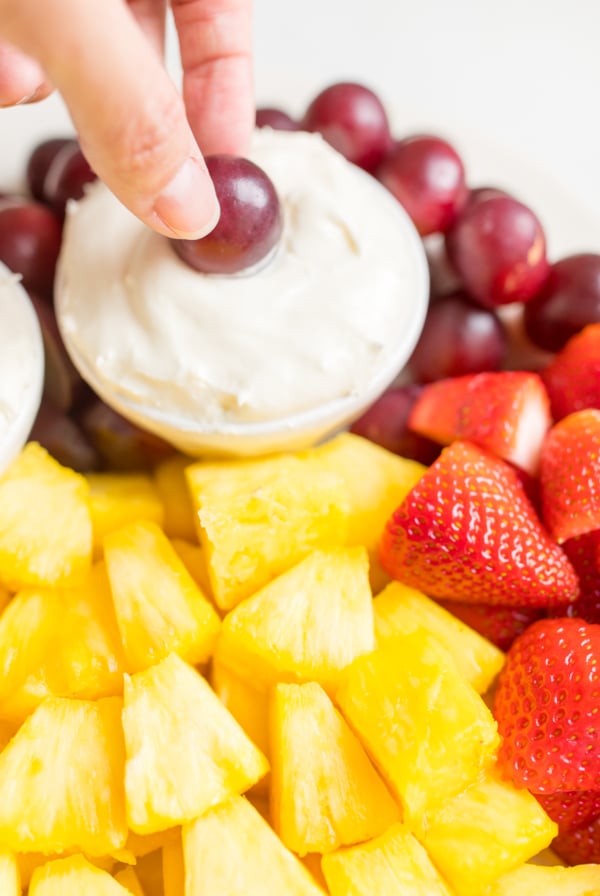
508, 413
571, 809
570, 475
546, 705
580, 846
468, 532
572, 378
500, 625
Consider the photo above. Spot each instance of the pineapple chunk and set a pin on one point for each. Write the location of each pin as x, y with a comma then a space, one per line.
173, 868
485, 831
61, 642
61, 779
185, 751
259, 518
74, 874
28, 862
231, 850
428, 731
159, 607
45, 522
171, 482
394, 864
400, 609
10, 879
324, 791
192, 557
130, 881
248, 705
377, 482
120, 498
139, 845
149, 873
307, 625
533, 880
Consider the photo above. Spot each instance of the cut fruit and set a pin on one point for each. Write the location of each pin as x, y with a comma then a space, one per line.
307, 625
532, 880
185, 751
232, 850
192, 557
61, 778
129, 879
120, 498
45, 523
10, 881
484, 832
506, 412
60, 642
394, 864
159, 607
428, 731
248, 705
325, 792
74, 875
29, 862
180, 519
259, 518
400, 609
173, 869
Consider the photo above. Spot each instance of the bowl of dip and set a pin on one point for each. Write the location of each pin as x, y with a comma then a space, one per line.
271, 359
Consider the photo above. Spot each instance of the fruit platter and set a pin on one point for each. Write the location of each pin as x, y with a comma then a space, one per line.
369, 664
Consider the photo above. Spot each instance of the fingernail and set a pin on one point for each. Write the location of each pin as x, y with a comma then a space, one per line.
31, 97
188, 206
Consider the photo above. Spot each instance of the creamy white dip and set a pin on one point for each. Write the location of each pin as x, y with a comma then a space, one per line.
314, 324
21, 366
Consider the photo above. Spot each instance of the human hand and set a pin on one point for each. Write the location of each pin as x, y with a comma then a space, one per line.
141, 138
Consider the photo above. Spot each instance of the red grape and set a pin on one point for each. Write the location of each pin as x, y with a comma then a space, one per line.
66, 177
568, 301
459, 337
478, 194
498, 249
385, 423
62, 383
353, 120
120, 444
30, 237
426, 175
443, 279
269, 117
63, 439
250, 224
40, 161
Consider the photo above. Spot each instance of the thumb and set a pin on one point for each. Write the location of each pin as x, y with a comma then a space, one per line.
129, 116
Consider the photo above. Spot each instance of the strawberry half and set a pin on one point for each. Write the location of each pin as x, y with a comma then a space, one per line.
468, 532
547, 707
572, 378
500, 625
570, 476
508, 413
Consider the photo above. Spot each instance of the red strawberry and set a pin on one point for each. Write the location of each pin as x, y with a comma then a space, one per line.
570, 476
508, 413
572, 378
580, 846
500, 625
584, 554
571, 809
547, 707
468, 532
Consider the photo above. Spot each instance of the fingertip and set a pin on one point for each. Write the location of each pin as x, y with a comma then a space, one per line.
187, 207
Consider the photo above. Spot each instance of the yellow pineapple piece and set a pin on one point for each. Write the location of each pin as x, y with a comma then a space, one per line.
306, 625
248, 705
130, 881
428, 731
148, 869
45, 523
173, 868
192, 557
74, 875
485, 831
117, 499
61, 642
324, 791
5, 597
10, 879
231, 850
61, 778
185, 751
159, 607
28, 862
393, 864
534, 880
139, 845
377, 482
180, 518
400, 609
259, 518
